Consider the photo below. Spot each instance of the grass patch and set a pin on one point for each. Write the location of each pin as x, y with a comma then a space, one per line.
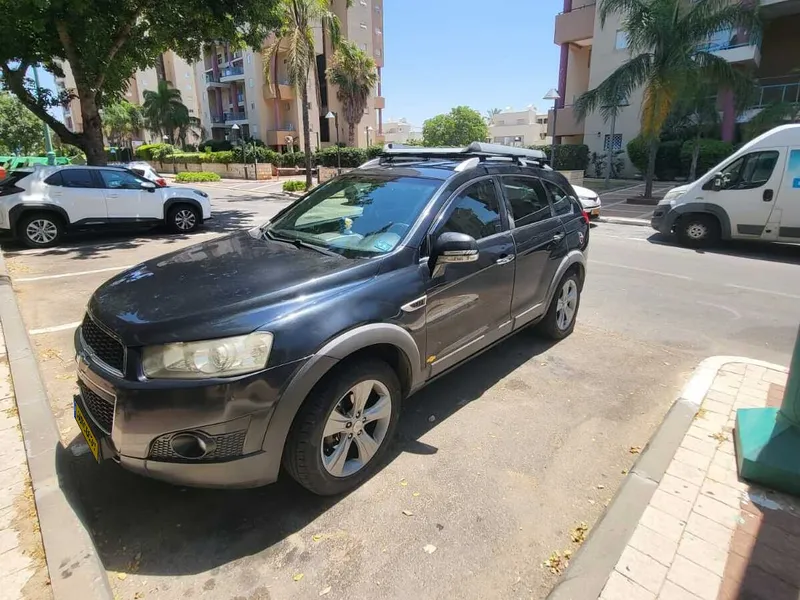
294, 185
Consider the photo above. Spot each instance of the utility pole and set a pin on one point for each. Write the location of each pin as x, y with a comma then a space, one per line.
48, 142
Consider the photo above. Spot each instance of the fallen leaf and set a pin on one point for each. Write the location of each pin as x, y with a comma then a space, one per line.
578, 533
624, 471
719, 436
122, 576
403, 482
431, 419
557, 562
408, 513
430, 548
316, 538
701, 414
600, 486
415, 494
635, 449
297, 576
325, 591
439, 526
138, 596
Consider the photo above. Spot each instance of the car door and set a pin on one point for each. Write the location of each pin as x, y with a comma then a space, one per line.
748, 190
469, 303
76, 191
536, 231
125, 198
789, 199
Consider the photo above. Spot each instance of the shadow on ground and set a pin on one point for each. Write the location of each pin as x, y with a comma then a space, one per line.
179, 531
769, 251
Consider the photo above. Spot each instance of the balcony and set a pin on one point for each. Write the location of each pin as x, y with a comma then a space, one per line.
771, 9
576, 26
380, 102
231, 74
277, 137
217, 120
213, 81
284, 91
235, 117
734, 48
783, 90
566, 123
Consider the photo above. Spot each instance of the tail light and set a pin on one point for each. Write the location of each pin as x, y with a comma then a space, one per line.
161, 181
585, 216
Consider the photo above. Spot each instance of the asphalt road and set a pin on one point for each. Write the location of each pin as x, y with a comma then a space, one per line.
495, 463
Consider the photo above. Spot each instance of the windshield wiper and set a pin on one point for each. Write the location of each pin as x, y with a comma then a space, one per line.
298, 243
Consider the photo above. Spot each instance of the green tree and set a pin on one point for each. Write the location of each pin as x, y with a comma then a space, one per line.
355, 75
772, 115
294, 39
694, 115
20, 130
460, 127
164, 111
104, 42
121, 121
667, 40
491, 114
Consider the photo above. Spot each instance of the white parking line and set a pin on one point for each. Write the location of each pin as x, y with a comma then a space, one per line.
54, 329
73, 274
652, 272
761, 291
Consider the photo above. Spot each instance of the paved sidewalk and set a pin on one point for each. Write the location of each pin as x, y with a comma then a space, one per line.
705, 534
615, 201
23, 572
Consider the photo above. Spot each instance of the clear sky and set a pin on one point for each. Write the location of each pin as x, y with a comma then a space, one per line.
445, 53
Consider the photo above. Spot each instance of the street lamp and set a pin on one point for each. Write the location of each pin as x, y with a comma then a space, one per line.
610, 150
48, 143
555, 97
368, 130
335, 117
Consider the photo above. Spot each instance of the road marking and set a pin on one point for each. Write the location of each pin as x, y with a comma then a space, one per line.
73, 274
735, 314
54, 329
761, 291
652, 272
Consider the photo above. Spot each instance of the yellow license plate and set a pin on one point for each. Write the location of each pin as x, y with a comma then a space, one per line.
91, 441
596, 212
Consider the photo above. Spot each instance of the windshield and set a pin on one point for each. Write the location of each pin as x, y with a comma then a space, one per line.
356, 215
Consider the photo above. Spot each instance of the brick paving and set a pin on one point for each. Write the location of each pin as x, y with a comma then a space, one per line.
707, 535
615, 202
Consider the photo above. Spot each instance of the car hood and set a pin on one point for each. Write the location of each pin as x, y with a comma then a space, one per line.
588, 198
226, 286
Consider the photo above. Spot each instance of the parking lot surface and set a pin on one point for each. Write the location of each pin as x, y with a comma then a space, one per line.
495, 463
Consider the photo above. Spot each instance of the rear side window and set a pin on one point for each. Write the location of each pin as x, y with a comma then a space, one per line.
77, 178
528, 200
476, 211
9, 184
54, 179
562, 202
139, 172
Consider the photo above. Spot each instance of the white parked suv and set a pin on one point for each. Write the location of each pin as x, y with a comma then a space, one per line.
37, 206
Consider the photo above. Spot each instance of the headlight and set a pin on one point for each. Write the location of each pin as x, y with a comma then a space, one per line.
671, 196
224, 357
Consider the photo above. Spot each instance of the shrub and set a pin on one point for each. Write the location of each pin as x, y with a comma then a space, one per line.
215, 145
668, 160
187, 157
224, 157
143, 152
569, 157
190, 148
294, 186
712, 152
351, 157
638, 153
188, 177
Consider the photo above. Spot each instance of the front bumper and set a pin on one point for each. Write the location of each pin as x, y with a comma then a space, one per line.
136, 421
662, 219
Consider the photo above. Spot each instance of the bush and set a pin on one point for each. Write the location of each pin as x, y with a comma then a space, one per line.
189, 177
190, 148
294, 186
712, 152
668, 160
638, 153
224, 157
569, 157
215, 145
351, 157
194, 158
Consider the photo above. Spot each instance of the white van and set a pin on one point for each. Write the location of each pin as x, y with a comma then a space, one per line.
752, 195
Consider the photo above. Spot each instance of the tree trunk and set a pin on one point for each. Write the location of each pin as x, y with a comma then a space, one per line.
92, 129
306, 132
695, 158
651, 169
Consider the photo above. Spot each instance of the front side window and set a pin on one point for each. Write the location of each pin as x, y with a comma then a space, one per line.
475, 211
120, 180
77, 178
356, 215
562, 203
749, 171
527, 199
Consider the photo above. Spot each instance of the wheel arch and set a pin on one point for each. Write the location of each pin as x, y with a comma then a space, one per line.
172, 202
16, 212
573, 261
715, 210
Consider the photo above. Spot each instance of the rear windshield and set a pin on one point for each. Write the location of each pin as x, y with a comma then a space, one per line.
13, 177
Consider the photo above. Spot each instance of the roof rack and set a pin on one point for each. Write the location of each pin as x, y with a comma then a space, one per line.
481, 151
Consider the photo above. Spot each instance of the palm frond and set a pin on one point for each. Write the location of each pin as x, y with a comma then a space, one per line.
624, 7
707, 17
771, 116
658, 101
616, 89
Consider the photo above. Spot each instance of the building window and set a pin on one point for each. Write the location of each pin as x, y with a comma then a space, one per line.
363, 46
378, 52
250, 82
617, 145
377, 8
363, 25
621, 41
363, 2
378, 31
520, 121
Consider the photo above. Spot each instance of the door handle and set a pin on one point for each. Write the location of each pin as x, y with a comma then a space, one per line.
768, 195
558, 237
505, 259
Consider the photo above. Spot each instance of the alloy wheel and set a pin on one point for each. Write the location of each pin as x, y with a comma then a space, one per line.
185, 219
356, 428
567, 304
41, 231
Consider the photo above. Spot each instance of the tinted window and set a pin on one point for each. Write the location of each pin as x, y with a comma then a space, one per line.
120, 180
54, 179
12, 178
528, 200
748, 172
562, 203
475, 211
77, 178
139, 172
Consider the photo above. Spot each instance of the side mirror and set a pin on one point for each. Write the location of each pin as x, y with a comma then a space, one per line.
149, 186
718, 182
452, 247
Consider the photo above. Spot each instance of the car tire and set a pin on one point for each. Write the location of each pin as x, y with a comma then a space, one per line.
40, 229
697, 231
183, 218
559, 321
320, 463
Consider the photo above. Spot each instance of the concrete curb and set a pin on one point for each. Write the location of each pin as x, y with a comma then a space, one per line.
624, 221
594, 562
75, 569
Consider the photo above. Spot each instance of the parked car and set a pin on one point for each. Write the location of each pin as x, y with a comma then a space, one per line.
146, 170
38, 206
589, 200
751, 195
295, 343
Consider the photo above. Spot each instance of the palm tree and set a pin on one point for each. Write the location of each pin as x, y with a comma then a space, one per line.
121, 120
295, 40
491, 114
355, 75
164, 110
694, 114
772, 115
668, 41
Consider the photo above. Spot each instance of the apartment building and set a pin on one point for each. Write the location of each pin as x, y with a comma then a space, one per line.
520, 128
400, 131
236, 92
590, 53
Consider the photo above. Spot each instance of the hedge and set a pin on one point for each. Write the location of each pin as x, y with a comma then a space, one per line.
712, 152
294, 186
668, 160
215, 145
569, 157
189, 177
154, 151
674, 158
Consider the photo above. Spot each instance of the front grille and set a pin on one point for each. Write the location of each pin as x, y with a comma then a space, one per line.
101, 410
103, 346
226, 446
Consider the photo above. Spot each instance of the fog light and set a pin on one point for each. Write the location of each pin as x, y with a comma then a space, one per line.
191, 445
